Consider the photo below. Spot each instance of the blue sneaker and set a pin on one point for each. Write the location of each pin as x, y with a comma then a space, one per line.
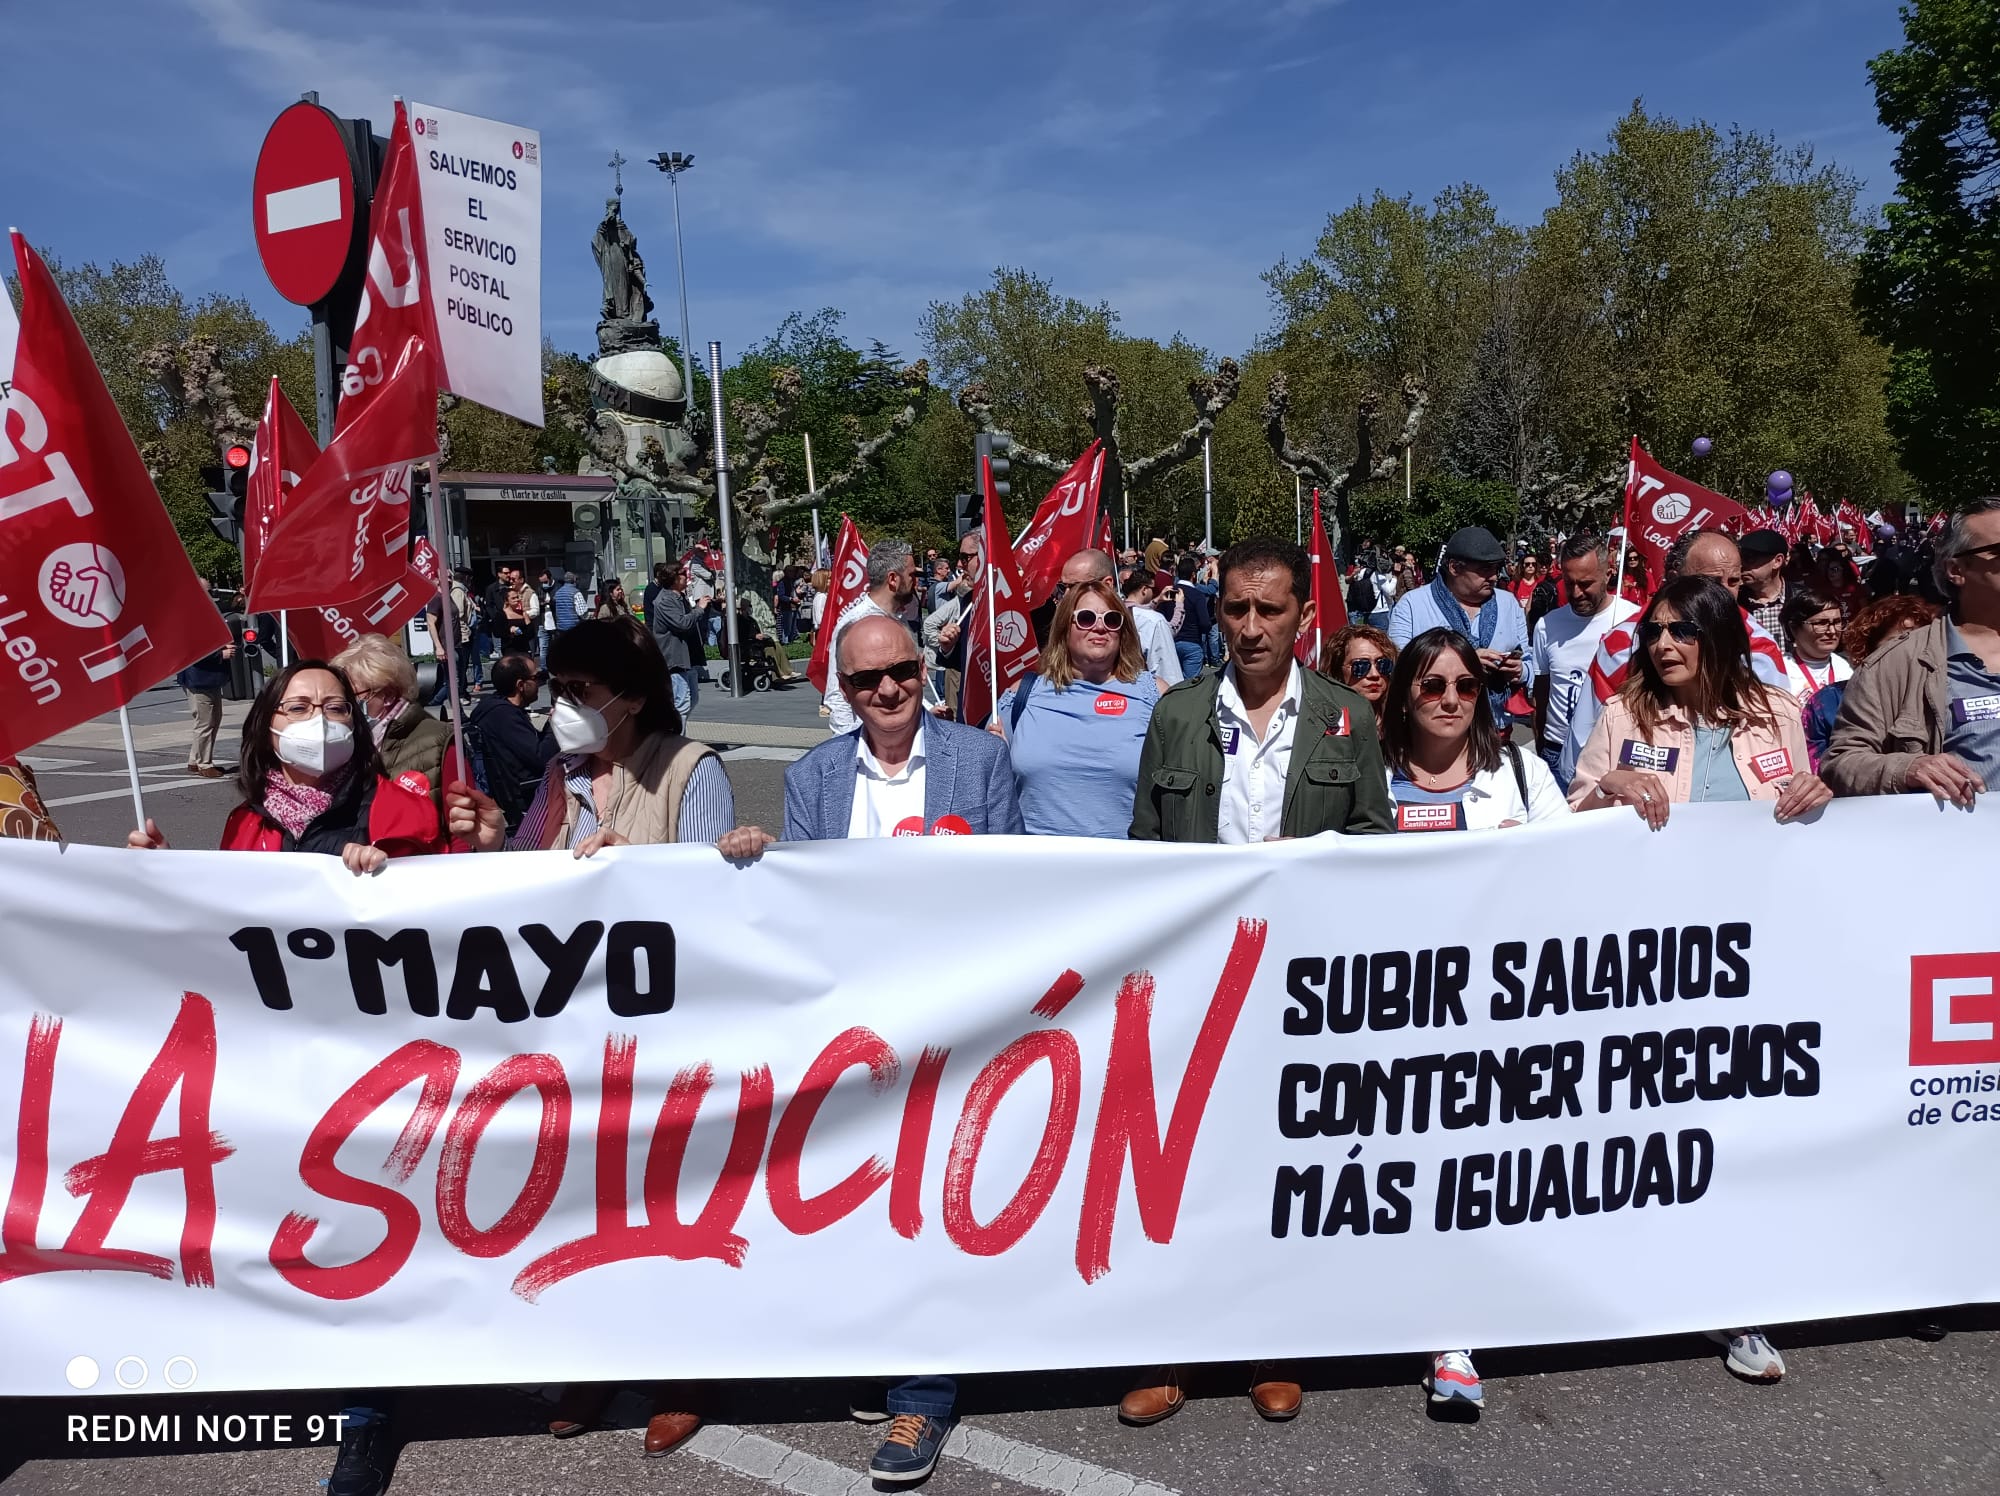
1453, 1380
911, 1451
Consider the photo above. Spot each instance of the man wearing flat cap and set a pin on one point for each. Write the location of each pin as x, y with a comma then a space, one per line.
1462, 597
1763, 594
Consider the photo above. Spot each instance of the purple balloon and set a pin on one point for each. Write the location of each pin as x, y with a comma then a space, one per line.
1703, 446
1779, 480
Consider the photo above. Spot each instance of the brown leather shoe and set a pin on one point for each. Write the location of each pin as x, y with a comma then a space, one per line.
665, 1430
205, 771
1144, 1405
579, 1408
1277, 1401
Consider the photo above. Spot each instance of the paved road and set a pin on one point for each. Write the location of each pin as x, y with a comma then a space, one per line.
1868, 1407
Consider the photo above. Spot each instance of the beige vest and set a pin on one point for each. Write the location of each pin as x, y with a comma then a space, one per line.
645, 802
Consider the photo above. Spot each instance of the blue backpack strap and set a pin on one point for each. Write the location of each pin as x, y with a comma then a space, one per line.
1020, 702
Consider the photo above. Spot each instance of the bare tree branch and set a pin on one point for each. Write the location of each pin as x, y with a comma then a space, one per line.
1211, 394
976, 401
1337, 482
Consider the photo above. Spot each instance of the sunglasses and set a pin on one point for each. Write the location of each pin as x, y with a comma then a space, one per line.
1433, 687
1089, 618
1684, 631
902, 673
1382, 665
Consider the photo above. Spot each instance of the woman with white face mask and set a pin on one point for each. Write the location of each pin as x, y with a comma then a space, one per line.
312, 780
623, 773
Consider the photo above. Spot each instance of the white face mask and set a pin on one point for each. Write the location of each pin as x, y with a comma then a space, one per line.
316, 745
578, 728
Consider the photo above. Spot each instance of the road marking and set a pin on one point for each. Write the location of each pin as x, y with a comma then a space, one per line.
302, 207
773, 755
51, 765
126, 793
790, 1469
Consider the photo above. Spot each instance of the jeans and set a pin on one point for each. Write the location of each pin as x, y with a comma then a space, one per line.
933, 1397
1551, 754
1191, 657
687, 691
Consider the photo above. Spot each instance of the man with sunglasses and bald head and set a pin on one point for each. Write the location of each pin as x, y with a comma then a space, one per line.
903, 772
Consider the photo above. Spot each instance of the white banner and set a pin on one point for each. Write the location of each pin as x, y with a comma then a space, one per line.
521, 1118
482, 189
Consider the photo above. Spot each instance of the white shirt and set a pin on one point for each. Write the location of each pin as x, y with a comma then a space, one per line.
1157, 640
882, 801
1253, 773
1493, 798
1806, 680
1565, 644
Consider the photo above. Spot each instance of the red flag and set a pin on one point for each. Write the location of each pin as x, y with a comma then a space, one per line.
1849, 513
1817, 524
323, 632
1065, 523
1328, 597
283, 450
344, 533
1011, 638
98, 600
1104, 541
850, 580
1660, 507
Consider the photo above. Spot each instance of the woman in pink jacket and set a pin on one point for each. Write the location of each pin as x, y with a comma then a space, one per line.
1692, 723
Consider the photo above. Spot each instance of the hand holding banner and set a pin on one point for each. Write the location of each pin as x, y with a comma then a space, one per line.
93, 580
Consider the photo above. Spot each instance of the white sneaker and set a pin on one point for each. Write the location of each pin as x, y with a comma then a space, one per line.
1453, 1380
1750, 1355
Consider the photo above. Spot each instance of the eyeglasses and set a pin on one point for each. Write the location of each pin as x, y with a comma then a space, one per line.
968, 557
1433, 687
1684, 631
299, 708
1382, 665
1980, 553
571, 690
1089, 618
902, 673
1827, 625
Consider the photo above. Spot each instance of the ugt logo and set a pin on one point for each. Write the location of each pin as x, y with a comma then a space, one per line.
1955, 1009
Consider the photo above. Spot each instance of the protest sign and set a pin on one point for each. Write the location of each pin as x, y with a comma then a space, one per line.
454, 1123
482, 191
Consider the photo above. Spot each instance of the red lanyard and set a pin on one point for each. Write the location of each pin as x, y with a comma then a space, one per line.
1815, 686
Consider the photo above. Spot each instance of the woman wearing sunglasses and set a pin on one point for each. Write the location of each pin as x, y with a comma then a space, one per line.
1075, 724
1363, 658
623, 774
1692, 722
312, 780
1449, 769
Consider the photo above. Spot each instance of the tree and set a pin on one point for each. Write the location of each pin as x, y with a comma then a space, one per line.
1930, 274
1336, 480
1018, 352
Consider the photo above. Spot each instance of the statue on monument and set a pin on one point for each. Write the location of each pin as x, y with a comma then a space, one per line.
617, 251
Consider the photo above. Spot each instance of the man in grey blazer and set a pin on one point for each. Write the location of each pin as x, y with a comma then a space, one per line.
902, 774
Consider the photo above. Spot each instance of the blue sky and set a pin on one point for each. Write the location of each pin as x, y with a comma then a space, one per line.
877, 154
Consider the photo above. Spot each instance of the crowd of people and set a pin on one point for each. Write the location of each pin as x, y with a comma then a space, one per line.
1445, 704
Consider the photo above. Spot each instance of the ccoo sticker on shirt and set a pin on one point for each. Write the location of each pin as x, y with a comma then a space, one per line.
1651, 757
1342, 728
1418, 817
1975, 709
1229, 735
1110, 704
1773, 765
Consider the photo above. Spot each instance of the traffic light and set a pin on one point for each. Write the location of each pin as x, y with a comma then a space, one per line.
227, 482
968, 507
994, 446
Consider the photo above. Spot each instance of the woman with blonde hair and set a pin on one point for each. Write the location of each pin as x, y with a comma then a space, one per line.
407, 737
1075, 724
1362, 658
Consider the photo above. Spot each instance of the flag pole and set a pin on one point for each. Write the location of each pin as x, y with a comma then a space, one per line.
448, 616
284, 639
992, 640
132, 769
1625, 521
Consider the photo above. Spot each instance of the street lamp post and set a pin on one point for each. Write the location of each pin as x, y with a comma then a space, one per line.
673, 165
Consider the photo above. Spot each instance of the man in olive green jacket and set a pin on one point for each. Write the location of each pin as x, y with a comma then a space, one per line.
1211, 767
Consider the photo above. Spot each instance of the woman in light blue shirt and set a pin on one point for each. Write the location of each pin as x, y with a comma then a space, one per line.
1074, 726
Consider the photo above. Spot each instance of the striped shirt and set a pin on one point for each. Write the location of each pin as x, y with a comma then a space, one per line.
708, 805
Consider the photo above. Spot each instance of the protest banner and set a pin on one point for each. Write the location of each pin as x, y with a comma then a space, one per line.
267, 1125
482, 191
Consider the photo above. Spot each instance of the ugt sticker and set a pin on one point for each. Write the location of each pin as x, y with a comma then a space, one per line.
1109, 704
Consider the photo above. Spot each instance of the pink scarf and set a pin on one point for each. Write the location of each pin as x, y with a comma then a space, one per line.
297, 806
392, 711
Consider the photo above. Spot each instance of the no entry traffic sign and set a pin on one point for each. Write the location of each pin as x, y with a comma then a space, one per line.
304, 203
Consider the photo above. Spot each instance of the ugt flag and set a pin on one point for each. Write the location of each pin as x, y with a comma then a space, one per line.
283, 450
1065, 523
345, 532
850, 580
323, 632
98, 601
996, 656
1660, 507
